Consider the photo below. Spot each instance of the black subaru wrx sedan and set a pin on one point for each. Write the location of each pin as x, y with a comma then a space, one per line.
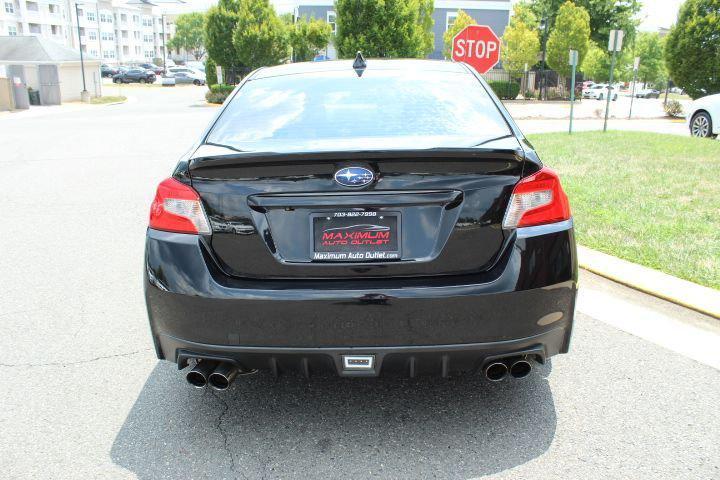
381, 217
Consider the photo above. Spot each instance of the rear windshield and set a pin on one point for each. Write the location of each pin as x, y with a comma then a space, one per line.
383, 109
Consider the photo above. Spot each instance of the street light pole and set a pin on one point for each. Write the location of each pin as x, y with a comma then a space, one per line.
615, 44
543, 81
84, 94
636, 66
162, 19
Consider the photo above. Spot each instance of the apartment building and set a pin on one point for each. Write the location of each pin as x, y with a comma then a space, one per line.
47, 18
113, 31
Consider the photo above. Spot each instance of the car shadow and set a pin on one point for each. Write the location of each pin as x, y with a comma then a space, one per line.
330, 428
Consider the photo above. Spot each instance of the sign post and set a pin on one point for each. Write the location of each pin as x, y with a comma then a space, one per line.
636, 66
478, 46
573, 61
614, 45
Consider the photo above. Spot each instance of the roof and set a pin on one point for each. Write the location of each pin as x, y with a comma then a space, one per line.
372, 64
36, 50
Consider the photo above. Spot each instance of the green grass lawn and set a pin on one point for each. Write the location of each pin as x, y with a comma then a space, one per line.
649, 198
107, 99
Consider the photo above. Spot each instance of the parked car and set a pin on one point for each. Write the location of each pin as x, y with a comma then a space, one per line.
647, 93
187, 76
703, 116
598, 91
139, 75
108, 71
151, 66
353, 217
186, 69
587, 84
195, 65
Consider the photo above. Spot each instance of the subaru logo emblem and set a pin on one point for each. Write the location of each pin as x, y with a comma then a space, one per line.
354, 176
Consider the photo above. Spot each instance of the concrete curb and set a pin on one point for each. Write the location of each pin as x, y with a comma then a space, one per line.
687, 294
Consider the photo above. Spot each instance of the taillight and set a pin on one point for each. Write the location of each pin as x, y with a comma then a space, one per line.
177, 208
537, 200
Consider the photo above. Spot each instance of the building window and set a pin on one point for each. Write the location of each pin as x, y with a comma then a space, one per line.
123, 17
92, 34
35, 28
126, 50
450, 18
54, 9
136, 35
136, 19
80, 12
91, 16
108, 53
12, 30
149, 54
331, 21
55, 29
124, 34
93, 52
31, 6
137, 50
147, 22
9, 8
107, 36
147, 38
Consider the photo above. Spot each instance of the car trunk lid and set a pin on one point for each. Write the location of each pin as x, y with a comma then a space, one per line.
427, 212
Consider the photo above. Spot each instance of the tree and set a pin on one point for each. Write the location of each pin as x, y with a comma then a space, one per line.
571, 32
605, 15
220, 22
260, 38
189, 34
390, 28
650, 48
308, 37
461, 21
520, 41
692, 49
596, 65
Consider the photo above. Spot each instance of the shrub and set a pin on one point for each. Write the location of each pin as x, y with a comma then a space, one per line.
218, 93
210, 72
673, 108
505, 90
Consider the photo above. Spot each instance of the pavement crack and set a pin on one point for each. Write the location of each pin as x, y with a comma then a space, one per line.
76, 362
224, 435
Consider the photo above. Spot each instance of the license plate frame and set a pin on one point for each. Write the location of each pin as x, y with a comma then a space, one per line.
366, 227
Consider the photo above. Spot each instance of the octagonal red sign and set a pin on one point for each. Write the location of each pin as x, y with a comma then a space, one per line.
478, 46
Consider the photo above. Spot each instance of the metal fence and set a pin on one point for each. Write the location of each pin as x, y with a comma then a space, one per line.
531, 84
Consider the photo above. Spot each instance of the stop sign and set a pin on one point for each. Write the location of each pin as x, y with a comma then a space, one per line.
478, 46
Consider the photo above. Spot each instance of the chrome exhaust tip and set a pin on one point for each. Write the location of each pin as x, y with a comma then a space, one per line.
223, 376
198, 376
520, 368
496, 371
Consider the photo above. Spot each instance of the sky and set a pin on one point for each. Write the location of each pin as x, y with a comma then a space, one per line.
655, 13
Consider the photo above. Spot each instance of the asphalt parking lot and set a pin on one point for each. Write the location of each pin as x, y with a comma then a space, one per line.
84, 397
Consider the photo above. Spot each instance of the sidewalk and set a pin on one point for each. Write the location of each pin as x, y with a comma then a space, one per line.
687, 294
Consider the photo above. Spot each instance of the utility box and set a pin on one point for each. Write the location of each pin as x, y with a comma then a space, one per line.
16, 74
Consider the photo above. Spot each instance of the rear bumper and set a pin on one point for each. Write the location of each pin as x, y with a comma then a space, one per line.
434, 325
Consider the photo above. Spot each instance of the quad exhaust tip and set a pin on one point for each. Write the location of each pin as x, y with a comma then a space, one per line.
496, 371
218, 375
520, 368
223, 376
198, 376
517, 367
